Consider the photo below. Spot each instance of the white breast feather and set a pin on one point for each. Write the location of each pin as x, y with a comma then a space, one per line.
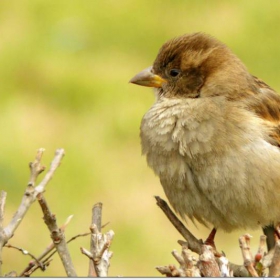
211, 169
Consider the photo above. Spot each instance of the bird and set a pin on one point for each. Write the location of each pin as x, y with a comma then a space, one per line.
212, 135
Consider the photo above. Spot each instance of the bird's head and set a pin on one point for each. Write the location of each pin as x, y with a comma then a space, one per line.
195, 65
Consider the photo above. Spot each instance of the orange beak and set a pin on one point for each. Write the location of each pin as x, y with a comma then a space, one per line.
147, 79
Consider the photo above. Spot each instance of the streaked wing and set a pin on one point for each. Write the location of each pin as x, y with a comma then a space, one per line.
266, 104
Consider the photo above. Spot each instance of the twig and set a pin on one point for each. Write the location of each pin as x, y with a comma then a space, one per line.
11, 274
267, 259
207, 263
48, 253
96, 220
194, 244
59, 153
262, 248
191, 269
29, 197
57, 237
33, 265
36, 168
187, 268
100, 254
70, 240
238, 270
25, 252
77, 236
31, 192
224, 267
244, 243
260, 255
164, 270
3, 196
97, 215
274, 269
87, 253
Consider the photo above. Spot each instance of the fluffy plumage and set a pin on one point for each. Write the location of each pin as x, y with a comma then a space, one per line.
213, 134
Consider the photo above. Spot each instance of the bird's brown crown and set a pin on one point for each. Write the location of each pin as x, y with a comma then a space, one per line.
190, 46
192, 62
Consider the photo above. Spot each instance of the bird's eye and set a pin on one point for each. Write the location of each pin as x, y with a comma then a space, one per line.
174, 72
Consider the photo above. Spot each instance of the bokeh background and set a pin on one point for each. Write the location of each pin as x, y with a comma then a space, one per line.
64, 72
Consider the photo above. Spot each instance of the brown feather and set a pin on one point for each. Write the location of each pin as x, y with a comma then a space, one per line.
213, 135
265, 102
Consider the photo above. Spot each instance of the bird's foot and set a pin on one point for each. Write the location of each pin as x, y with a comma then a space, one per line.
210, 241
277, 232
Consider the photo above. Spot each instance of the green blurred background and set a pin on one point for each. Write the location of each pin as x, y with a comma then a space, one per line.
64, 72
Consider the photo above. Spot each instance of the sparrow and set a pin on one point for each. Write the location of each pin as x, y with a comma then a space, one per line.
213, 135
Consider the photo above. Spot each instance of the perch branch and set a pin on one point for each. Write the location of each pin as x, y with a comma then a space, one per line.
193, 243
207, 263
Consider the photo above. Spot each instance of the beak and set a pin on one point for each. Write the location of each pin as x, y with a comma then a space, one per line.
147, 79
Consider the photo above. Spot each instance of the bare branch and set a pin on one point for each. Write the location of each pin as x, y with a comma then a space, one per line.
260, 256
274, 269
31, 192
100, 255
244, 243
87, 253
57, 237
36, 168
11, 274
224, 267
238, 270
3, 196
47, 254
28, 198
51, 247
97, 215
193, 243
32, 269
207, 263
267, 259
164, 270
59, 153
25, 252
96, 220
187, 268
178, 257
262, 248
